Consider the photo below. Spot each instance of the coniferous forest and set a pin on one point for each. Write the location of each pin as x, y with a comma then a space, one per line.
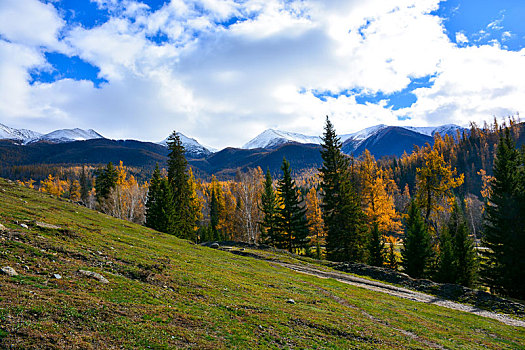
452, 211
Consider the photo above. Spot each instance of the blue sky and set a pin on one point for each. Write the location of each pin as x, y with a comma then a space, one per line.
222, 71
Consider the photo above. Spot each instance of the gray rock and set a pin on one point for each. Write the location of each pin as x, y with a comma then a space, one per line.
290, 301
44, 225
214, 245
94, 275
24, 226
57, 276
2, 228
8, 270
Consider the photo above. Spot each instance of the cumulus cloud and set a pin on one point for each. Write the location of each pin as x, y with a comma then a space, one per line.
222, 71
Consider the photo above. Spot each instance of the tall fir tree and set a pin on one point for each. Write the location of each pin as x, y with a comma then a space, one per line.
269, 205
182, 216
84, 185
154, 202
504, 264
291, 222
416, 253
376, 246
465, 256
105, 181
342, 213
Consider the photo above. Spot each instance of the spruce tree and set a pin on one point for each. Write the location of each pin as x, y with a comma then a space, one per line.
84, 185
465, 257
291, 220
342, 213
376, 247
416, 253
153, 203
504, 267
269, 209
105, 181
181, 218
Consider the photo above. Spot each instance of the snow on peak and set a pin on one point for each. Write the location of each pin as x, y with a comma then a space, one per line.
447, 129
363, 134
190, 145
271, 138
69, 135
22, 135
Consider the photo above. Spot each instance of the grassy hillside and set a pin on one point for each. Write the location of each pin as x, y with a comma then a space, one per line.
167, 293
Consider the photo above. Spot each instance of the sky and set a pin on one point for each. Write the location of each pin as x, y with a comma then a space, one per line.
223, 71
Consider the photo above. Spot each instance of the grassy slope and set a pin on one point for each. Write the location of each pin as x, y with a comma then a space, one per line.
168, 293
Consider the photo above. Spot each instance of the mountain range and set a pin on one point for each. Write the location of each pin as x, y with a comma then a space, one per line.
26, 147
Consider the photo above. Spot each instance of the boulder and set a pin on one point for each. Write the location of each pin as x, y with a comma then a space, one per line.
214, 245
48, 226
94, 275
57, 276
290, 301
2, 228
8, 270
24, 226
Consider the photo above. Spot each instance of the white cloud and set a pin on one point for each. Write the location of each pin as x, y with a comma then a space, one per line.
461, 38
224, 84
30, 22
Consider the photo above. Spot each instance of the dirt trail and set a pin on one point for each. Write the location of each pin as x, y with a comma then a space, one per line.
401, 292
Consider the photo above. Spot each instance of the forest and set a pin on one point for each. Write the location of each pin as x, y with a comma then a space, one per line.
452, 211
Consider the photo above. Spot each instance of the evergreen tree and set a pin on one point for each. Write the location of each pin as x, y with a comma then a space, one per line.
154, 202
268, 207
417, 250
106, 180
466, 265
84, 185
291, 220
504, 266
182, 215
376, 246
342, 214
391, 259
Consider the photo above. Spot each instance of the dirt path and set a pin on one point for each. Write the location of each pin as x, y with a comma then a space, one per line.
401, 293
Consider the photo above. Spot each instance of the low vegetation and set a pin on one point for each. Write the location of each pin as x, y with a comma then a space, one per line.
164, 292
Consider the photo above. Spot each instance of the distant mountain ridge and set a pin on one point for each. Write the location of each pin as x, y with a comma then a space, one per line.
272, 138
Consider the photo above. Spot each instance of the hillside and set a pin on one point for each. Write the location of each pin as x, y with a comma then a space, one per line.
163, 292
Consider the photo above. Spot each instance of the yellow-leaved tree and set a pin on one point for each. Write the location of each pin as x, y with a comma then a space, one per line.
377, 195
315, 221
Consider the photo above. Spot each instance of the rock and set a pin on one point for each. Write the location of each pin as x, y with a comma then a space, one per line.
290, 301
2, 228
94, 275
24, 226
214, 245
57, 276
8, 270
48, 226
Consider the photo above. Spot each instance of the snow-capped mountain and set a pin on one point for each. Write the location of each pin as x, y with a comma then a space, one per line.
68, 135
21, 135
271, 138
191, 146
447, 129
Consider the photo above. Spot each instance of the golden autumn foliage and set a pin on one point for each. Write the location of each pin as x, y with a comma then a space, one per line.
377, 195
315, 220
435, 183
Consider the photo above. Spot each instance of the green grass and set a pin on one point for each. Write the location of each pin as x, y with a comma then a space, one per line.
168, 293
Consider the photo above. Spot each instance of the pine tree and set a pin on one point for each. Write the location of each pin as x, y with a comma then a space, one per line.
504, 268
84, 185
466, 265
417, 250
376, 247
268, 207
391, 259
182, 216
105, 181
291, 220
342, 214
154, 202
